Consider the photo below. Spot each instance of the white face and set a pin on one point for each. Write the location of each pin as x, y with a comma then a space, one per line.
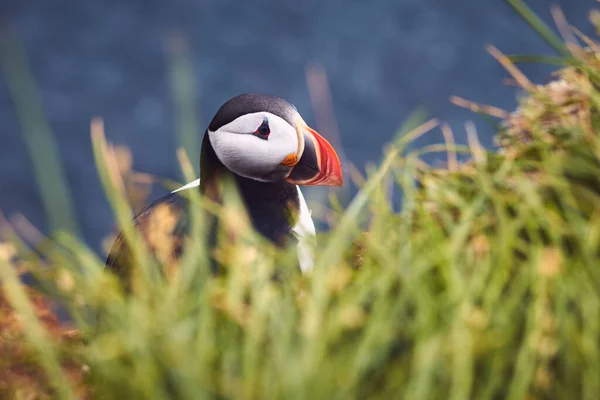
244, 151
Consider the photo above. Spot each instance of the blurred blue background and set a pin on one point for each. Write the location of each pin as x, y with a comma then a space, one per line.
382, 59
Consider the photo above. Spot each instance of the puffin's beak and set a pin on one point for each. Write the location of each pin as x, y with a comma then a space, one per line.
318, 164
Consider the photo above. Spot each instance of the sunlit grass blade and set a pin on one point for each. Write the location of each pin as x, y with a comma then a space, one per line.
35, 333
109, 177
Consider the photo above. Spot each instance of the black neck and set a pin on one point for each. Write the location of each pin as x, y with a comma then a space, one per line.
271, 205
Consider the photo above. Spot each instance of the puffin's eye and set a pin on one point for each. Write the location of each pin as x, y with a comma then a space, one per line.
263, 130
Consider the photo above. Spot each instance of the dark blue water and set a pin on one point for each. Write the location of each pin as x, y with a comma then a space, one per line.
383, 59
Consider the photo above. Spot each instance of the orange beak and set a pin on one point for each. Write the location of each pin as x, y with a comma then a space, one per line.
319, 164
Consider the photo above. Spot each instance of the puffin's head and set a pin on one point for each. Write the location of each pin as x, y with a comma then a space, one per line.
264, 138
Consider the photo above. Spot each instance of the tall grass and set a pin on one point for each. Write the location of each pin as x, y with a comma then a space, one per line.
37, 135
484, 285
184, 96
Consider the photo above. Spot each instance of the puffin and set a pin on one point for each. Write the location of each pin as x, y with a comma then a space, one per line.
263, 145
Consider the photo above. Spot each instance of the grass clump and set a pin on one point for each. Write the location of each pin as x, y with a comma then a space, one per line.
484, 285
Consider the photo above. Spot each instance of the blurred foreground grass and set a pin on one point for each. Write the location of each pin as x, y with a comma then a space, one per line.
484, 285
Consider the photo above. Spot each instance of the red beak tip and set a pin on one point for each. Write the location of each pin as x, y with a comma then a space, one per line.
330, 168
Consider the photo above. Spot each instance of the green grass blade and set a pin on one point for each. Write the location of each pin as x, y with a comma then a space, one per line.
540, 27
123, 213
184, 95
37, 134
35, 333
538, 59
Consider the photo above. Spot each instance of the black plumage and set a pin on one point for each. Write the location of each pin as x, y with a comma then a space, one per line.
251, 103
272, 206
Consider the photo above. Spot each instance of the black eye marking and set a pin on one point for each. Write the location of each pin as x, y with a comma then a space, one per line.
263, 130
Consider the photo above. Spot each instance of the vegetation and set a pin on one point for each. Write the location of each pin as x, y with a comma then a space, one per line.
485, 284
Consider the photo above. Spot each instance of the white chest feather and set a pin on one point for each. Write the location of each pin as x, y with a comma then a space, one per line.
304, 230
190, 185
